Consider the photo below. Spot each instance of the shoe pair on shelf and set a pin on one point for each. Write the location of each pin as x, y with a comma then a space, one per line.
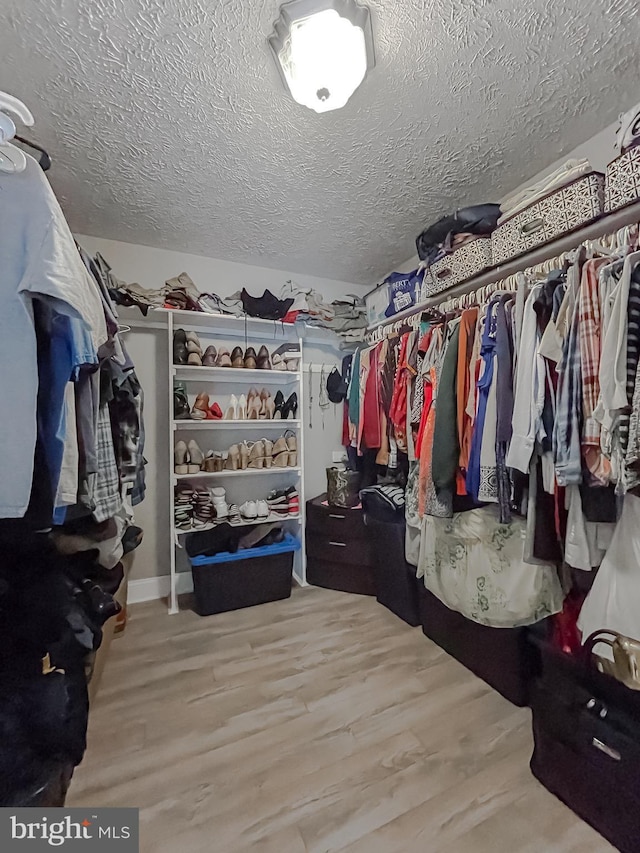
204, 410
250, 510
285, 409
284, 502
188, 458
195, 508
249, 360
187, 348
286, 357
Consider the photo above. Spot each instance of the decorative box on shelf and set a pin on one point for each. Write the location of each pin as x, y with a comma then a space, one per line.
466, 262
560, 212
622, 181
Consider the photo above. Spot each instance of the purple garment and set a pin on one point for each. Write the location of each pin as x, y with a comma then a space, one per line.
483, 385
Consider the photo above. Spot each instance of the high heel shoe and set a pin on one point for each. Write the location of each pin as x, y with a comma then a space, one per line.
250, 359
254, 404
244, 456
256, 455
280, 453
242, 408
232, 462
265, 411
263, 361
268, 452
290, 408
278, 406
237, 359
216, 412
196, 457
232, 409
200, 408
292, 445
208, 463
180, 457
270, 408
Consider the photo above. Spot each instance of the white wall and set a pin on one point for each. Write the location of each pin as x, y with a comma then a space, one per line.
150, 268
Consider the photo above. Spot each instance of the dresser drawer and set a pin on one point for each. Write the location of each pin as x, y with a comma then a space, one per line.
343, 577
338, 548
335, 522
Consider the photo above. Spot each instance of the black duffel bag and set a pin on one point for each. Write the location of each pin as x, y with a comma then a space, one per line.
479, 219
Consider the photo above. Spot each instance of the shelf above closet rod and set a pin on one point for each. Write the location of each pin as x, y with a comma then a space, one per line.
607, 224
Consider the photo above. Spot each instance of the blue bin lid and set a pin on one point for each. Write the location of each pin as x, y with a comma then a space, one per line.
290, 543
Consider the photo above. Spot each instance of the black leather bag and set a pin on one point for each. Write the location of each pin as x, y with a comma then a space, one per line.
479, 219
586, 729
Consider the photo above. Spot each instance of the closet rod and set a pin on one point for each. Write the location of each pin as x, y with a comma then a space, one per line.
606, 224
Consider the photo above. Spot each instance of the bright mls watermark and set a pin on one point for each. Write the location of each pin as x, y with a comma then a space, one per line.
82, 830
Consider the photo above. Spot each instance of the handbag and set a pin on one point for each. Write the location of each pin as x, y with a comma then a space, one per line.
343, 487
626, 657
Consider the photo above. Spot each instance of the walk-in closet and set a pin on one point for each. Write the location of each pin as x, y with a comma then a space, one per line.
320, 435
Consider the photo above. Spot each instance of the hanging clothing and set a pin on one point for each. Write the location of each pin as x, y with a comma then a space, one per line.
39, 261
474, 565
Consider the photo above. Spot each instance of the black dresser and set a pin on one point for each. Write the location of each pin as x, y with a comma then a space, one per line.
339, 552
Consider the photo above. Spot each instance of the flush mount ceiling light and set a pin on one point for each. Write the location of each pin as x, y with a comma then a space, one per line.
323, 49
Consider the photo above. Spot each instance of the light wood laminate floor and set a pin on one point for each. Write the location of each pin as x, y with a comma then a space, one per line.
320, 723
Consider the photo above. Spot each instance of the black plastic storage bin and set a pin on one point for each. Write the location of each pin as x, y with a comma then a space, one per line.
586, 730
243, 579
500, 656
396, 582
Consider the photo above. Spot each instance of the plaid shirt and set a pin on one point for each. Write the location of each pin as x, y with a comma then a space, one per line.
106, 490
589, 329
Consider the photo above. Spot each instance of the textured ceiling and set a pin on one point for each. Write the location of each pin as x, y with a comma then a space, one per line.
169, 126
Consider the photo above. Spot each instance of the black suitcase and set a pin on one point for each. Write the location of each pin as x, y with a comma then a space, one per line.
586, 729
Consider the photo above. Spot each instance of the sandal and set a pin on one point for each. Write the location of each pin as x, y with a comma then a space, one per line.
292, 445
280, 453
256, 455
232, 462
244, 456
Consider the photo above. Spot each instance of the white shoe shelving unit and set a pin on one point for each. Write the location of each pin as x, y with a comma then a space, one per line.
219, 435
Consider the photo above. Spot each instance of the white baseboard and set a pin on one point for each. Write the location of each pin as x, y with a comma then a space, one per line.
149, 589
